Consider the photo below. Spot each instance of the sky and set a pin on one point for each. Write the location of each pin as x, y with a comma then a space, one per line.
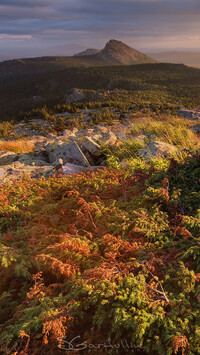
30, 28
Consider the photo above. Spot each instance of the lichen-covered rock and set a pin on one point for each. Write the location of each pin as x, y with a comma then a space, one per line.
195, 128
75, 95
108, 138
30, 159
189, 114
157, 149
68, 152
67, 133
68, 169
2, 175
7, 157
17, 170
90, 145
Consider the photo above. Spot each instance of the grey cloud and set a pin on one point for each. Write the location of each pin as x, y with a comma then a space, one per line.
26, 3
92, 22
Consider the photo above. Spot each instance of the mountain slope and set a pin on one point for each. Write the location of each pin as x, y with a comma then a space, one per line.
120, 53
89, 51
114, 53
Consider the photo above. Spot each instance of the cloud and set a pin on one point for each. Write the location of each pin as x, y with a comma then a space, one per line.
26, 3
7, 36
58, 24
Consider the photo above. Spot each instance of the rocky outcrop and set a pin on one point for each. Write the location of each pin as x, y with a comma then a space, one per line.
189, 114
75, 95
157, 149
34, 127
17, 170
38, 99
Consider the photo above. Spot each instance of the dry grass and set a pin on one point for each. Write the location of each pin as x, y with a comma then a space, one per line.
17, 146
169, 129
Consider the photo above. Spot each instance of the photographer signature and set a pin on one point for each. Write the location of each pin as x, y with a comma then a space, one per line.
72, 345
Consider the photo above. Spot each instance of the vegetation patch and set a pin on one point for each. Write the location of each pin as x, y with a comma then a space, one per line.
17, 146
112, 254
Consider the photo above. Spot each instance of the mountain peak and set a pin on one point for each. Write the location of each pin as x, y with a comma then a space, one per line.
115, 42
119, 52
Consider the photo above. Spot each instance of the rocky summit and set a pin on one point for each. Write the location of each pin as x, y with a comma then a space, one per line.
119, 52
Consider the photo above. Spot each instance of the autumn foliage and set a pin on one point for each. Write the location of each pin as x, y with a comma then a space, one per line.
112, 254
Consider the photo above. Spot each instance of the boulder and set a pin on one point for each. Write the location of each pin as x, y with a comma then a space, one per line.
75, 96
30, 159
2, 175
17, 170
101, 128
75, 169
8, 157
72, 169
90, 145
58, 164
141, 138
108, 138
157, 149
195, 128
189, 114
68, 152
88, 132
37, 99
122, 136
68, 134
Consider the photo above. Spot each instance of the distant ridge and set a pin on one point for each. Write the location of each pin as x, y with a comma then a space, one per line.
3, 58
89, 51
114, 53
117, 52
178, 57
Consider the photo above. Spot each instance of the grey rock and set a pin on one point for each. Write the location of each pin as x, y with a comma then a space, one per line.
72, 168
2, 175
90, 145
37, 99
108, 138
157, 149
68, 134
17, 171
122, 136
75, 169
69, 152
58, 164
195, 128
75, 96
8, 157
30, 159
141, 138
189, 114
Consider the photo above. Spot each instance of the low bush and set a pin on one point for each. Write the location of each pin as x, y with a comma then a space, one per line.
110, 257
